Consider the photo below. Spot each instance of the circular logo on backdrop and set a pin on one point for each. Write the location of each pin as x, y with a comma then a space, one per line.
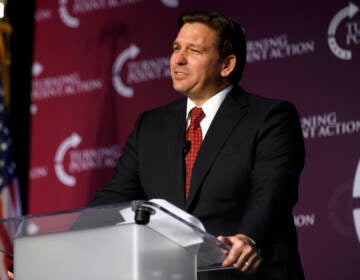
71, 142
137, 71
65, 16
129, 53
82, 160
70, 12
351, 37
37, 69
171, 3
344, 201
356, 196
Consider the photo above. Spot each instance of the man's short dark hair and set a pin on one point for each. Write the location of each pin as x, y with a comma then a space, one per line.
230, 34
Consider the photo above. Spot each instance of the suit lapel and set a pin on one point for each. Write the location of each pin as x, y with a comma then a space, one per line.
174, 133
229, 114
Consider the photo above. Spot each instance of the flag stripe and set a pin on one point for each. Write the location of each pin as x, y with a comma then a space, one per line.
10, 204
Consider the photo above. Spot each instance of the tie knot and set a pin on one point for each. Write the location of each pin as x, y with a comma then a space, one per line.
196, 115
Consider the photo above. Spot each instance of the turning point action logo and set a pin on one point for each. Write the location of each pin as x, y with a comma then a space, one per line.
72, 142
87, 6
356, 196
345, 203
129, 53
352, 28
82, 160
137, 71
65, 16
171, 3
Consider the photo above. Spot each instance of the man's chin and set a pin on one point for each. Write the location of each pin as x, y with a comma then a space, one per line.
180, 89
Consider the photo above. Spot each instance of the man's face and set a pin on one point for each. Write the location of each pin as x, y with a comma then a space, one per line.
195, 63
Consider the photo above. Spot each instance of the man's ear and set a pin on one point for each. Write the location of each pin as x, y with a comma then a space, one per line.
228, 65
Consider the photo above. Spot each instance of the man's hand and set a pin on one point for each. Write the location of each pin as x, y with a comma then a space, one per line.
10, 275
243, 254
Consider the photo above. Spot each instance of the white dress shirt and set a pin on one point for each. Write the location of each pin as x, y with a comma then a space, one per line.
210, 107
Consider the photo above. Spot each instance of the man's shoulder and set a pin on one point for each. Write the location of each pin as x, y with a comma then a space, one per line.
170, 110
262, 103
175, 105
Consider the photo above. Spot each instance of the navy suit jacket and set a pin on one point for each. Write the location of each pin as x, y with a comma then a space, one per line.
245, 178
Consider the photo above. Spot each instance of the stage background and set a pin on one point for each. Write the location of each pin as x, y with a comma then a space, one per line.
99, 63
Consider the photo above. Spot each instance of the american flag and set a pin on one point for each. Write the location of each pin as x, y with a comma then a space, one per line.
10, 203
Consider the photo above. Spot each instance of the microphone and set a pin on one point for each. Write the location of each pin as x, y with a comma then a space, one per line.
186, 147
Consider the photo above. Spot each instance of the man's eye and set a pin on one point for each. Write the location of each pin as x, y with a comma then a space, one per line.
195, 50
176, 48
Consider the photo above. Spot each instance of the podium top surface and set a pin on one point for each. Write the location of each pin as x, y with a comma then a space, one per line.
161, 216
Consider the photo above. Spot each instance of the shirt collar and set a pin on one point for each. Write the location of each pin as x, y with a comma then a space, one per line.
211, 105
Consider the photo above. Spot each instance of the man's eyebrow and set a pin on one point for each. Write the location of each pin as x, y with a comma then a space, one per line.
189, 45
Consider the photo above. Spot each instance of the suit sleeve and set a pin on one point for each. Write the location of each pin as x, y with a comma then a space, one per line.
125, 184
278, 162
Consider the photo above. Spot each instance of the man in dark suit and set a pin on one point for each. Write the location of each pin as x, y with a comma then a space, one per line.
244, 181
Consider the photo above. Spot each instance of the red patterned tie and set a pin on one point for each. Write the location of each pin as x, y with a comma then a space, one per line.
194, 136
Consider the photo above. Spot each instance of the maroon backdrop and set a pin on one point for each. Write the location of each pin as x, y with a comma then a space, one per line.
99, 63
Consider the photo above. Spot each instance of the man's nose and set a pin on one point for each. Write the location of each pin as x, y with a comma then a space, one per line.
180, 58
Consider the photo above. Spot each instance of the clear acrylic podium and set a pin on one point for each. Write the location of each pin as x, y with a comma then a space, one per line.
147, 240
